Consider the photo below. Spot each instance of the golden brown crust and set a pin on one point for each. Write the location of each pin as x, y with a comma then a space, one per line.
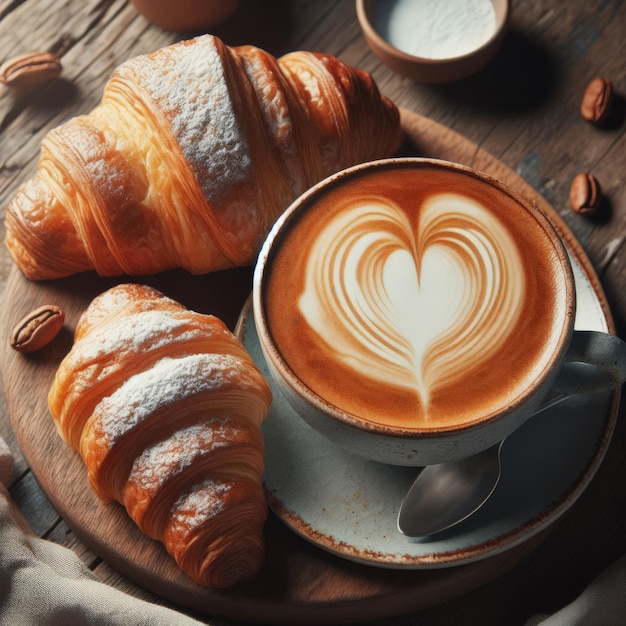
192, 155
165, 407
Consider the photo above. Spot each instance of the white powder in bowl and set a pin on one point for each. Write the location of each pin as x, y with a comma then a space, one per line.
436, 29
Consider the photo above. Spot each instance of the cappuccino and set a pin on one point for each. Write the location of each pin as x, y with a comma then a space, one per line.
419, 297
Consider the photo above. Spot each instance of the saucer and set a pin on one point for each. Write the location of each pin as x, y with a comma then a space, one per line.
348, 505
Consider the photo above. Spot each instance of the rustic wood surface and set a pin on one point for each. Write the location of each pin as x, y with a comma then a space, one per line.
523, 109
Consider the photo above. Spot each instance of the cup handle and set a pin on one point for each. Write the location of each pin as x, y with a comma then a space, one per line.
595, 361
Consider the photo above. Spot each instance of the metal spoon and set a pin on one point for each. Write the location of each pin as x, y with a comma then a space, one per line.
445, 494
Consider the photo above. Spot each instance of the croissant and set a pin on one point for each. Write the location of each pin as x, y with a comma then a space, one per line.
189, 159
165, 405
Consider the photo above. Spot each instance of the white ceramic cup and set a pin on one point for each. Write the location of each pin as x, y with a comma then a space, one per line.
401, 235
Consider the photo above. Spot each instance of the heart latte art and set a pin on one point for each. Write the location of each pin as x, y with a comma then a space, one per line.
415, 306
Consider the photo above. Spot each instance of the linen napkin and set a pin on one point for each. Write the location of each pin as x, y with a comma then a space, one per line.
47, 584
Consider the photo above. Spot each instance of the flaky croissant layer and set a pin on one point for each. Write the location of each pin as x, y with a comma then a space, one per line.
165, 407
193, 153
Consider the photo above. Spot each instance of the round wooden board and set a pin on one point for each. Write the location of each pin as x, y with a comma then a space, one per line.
299, 582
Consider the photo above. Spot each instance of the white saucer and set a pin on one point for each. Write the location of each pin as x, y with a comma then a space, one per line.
349, 506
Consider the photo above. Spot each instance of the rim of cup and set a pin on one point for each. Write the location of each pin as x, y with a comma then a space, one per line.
279, 362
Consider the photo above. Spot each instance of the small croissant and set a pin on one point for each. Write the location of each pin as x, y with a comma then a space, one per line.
165, 406
193, 153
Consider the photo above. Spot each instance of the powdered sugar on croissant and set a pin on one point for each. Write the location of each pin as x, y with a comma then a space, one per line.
193, 153
165, 407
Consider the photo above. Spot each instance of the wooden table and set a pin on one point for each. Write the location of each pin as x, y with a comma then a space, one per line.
523, 109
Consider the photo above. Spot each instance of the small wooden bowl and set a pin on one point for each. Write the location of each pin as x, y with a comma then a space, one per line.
426, 70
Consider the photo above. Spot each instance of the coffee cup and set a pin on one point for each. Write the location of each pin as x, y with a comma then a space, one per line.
416, 311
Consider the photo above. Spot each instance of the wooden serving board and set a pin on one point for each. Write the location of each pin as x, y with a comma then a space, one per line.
299, 582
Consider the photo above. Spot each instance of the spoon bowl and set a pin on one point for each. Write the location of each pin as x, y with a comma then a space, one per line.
445, 494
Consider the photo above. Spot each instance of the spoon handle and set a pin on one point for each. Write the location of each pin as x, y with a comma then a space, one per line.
595, 361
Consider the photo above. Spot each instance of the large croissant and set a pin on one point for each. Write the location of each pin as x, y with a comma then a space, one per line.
165, 407
193, 153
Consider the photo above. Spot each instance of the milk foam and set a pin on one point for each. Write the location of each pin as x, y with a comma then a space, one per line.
413, 306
